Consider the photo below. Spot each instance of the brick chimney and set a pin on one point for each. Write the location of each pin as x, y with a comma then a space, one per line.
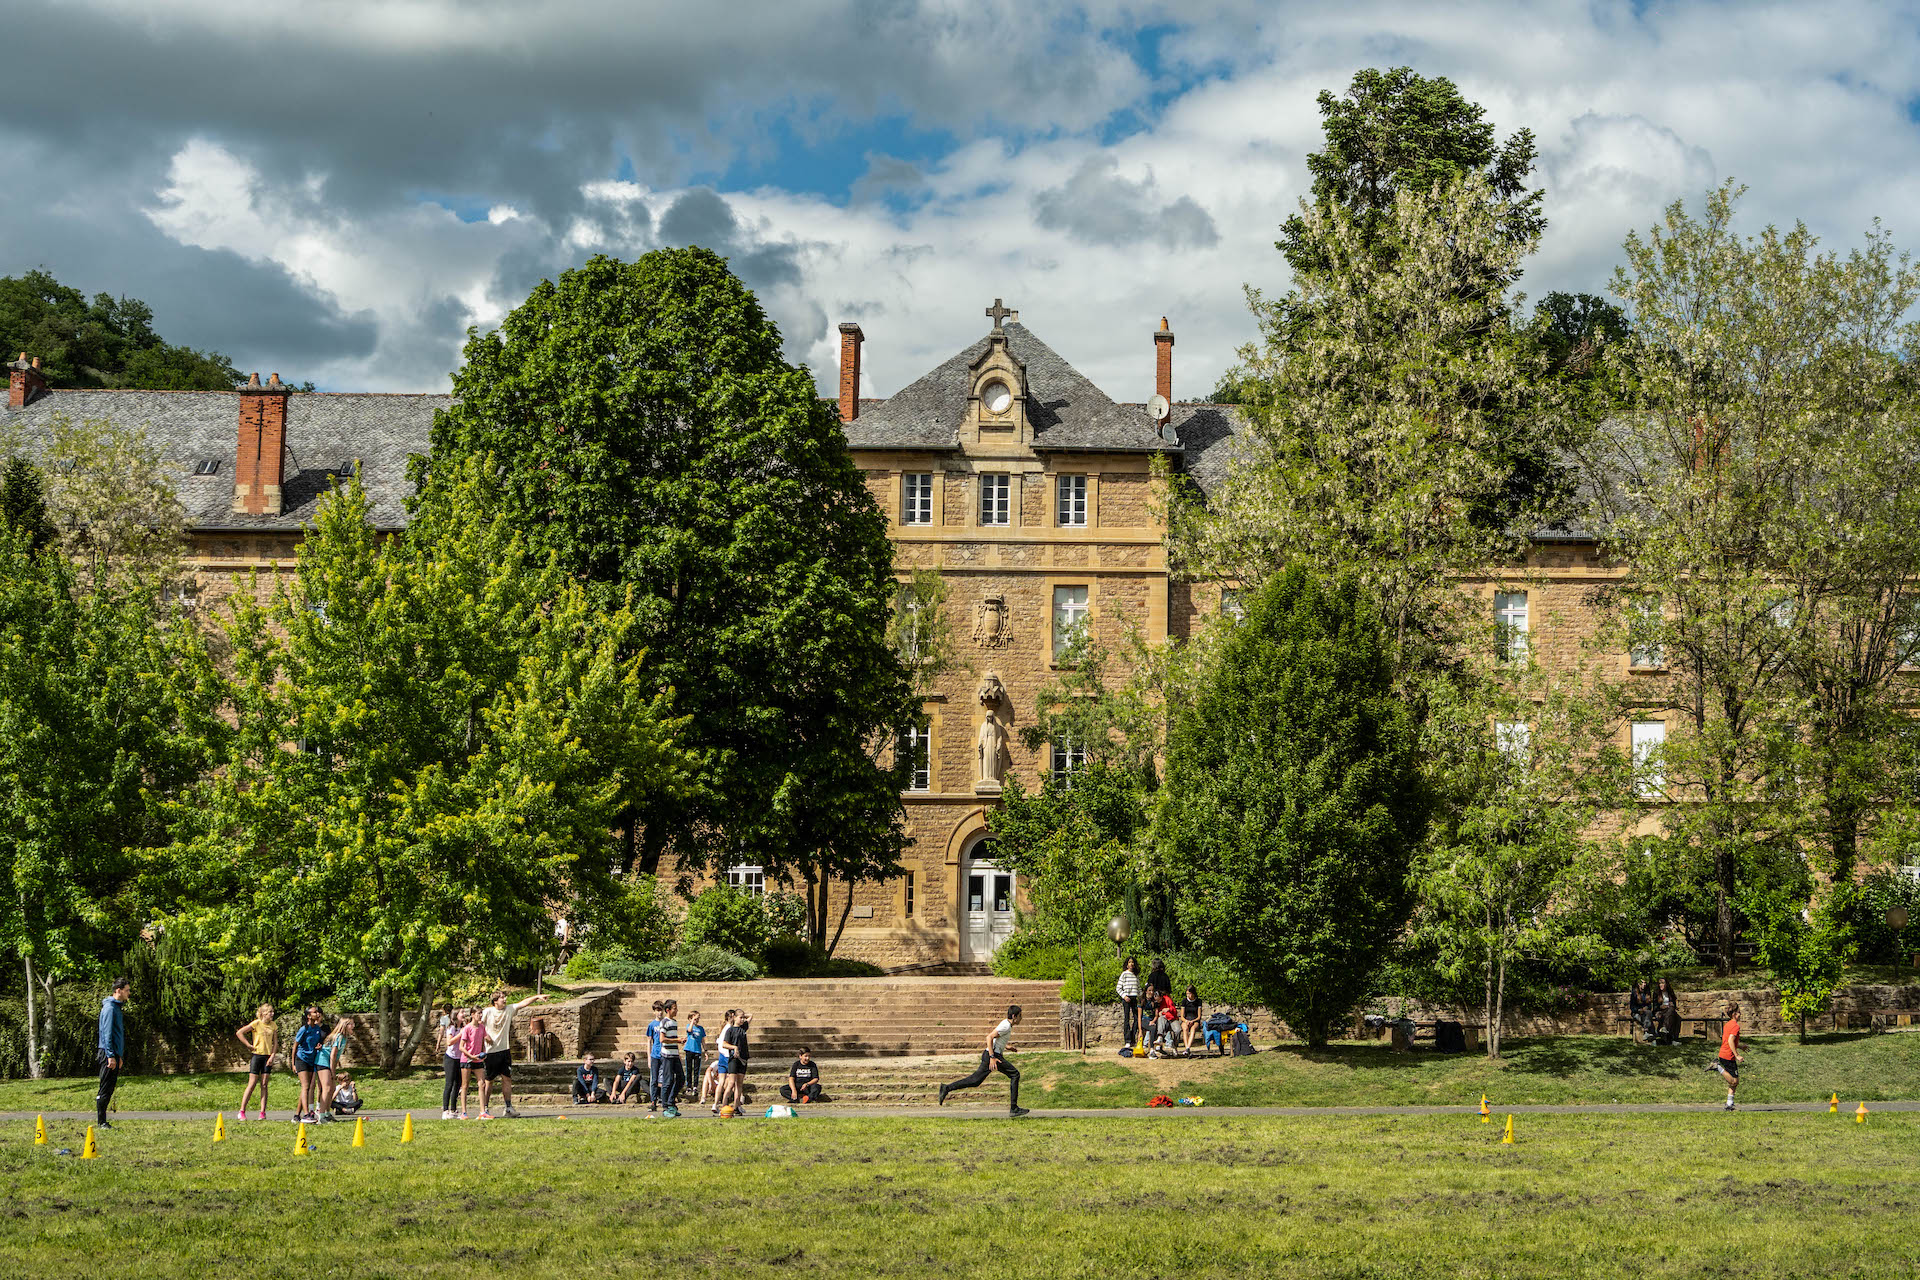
1163, 363
261, 459
24, 381
850, 340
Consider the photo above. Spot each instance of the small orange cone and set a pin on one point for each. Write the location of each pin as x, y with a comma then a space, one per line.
40, 1131
1860, 1116
406, 1130
300, 1147
1833, 1105
359, 1131
1486, 1115
1507, 1140
219, 1126
88, 1151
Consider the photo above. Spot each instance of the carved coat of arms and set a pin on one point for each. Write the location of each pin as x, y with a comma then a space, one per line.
990, 630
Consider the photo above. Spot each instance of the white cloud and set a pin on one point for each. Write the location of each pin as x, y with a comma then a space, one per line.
1092, 240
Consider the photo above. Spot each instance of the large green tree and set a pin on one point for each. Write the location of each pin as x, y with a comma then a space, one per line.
1398, 132
652, 438
107, 709
1293, 800
1761, 489
106, 342
435, 734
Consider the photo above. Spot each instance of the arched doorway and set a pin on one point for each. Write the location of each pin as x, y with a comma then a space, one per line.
986, 917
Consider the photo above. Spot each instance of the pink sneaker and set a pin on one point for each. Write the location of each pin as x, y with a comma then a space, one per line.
263, 1113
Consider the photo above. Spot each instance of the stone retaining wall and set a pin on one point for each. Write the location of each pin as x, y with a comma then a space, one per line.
1599, 1013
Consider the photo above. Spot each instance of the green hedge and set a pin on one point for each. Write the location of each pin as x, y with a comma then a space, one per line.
1217, 981
1049, 962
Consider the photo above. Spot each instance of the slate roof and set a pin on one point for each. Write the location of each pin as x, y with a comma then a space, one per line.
325, 431
1066, 410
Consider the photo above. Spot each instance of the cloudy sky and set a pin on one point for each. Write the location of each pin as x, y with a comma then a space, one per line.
336, 189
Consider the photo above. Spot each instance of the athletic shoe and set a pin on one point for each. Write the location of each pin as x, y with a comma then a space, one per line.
1016, 1112
326, 1117
716, 1108
460, 1115
263, 1113
943, 1096
511, 1113
485, 1115
446, 1115
672, 1113
1729, 1104
103, 1124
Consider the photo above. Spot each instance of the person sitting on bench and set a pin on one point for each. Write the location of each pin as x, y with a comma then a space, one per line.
803, 1079
1189, 1020
586, 1081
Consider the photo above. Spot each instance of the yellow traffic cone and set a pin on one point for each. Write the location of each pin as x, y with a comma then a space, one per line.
1833, 1105
1486, 1114
40, 1131
1860, 1116
406, 1130
88, 1152
219, 1126
359, 1131
300, 1147
1507, 1140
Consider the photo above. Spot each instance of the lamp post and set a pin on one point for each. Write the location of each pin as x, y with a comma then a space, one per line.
1119, 930
1897, 921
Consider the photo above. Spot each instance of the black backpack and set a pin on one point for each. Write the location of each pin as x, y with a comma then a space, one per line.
1241, 1045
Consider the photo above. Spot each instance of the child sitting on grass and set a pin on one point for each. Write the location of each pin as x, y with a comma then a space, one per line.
346, 1096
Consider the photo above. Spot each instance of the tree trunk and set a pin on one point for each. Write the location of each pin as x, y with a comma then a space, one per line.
1803, 1028
1500, 989
386, 1030
420, 1025
1082, 948
33, 1024
1723, 870
1486, 1013
845, 911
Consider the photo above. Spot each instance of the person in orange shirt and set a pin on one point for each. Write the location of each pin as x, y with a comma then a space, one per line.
1730, 1059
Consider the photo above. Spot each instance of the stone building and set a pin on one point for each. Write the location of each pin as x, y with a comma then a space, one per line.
1030, 489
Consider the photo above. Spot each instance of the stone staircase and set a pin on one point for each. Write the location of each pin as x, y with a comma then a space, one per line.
845, 1018
853, 1082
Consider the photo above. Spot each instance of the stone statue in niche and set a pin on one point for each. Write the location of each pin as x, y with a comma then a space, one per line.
991, 742
990, 623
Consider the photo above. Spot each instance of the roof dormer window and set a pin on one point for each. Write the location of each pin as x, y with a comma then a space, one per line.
207, 467
996, 397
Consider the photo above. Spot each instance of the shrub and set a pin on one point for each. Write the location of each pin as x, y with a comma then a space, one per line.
1878, 941
841, 968
793, 958
786, 913
632, 914
1048, 962
698, 964
727, 918
584, 966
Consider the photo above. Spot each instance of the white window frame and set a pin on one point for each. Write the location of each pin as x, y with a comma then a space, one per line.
916, 497
748, 879
1070, 616
919, 748
996, 499
1070, 505
1067, 757
1510, 625
1646, 657
1233, 603
1648, 738
1514, 739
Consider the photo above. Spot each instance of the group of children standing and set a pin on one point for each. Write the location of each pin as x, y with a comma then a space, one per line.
675, 1058
318, 1061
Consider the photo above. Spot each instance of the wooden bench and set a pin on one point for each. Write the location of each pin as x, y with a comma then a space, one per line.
1717, 1021
1429, 1029
1887, 1019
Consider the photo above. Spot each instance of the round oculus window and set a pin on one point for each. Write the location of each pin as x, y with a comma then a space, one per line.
997, 397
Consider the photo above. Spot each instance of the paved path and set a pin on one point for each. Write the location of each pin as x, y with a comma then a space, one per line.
832, 1111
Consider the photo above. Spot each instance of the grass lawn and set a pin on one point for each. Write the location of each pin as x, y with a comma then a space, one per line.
1564, 1069
1560, 1069
1610, 1196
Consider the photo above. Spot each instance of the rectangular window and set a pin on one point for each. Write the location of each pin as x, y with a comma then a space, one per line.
918, 746
1644, 617
1069, 617
916, 498
1067, 756
995, 506
1649, 736
1073, 501
1906, 634
1232, 603
752, 880
906, 897
1513, 739
1510, 625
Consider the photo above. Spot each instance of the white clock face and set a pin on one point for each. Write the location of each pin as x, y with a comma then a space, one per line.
998, 397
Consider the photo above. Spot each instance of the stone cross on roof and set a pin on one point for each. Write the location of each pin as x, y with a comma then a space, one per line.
1001, 314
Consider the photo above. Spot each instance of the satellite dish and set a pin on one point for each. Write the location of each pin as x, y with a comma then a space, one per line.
1157, 408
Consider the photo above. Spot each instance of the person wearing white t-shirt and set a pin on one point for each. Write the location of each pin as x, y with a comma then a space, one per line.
994, 1058
497, 1022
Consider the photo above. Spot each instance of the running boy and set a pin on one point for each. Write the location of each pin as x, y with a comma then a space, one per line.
262, 1038
994, 1058
1730, 1056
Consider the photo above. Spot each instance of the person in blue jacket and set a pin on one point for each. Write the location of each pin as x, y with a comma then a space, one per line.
112, 1049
